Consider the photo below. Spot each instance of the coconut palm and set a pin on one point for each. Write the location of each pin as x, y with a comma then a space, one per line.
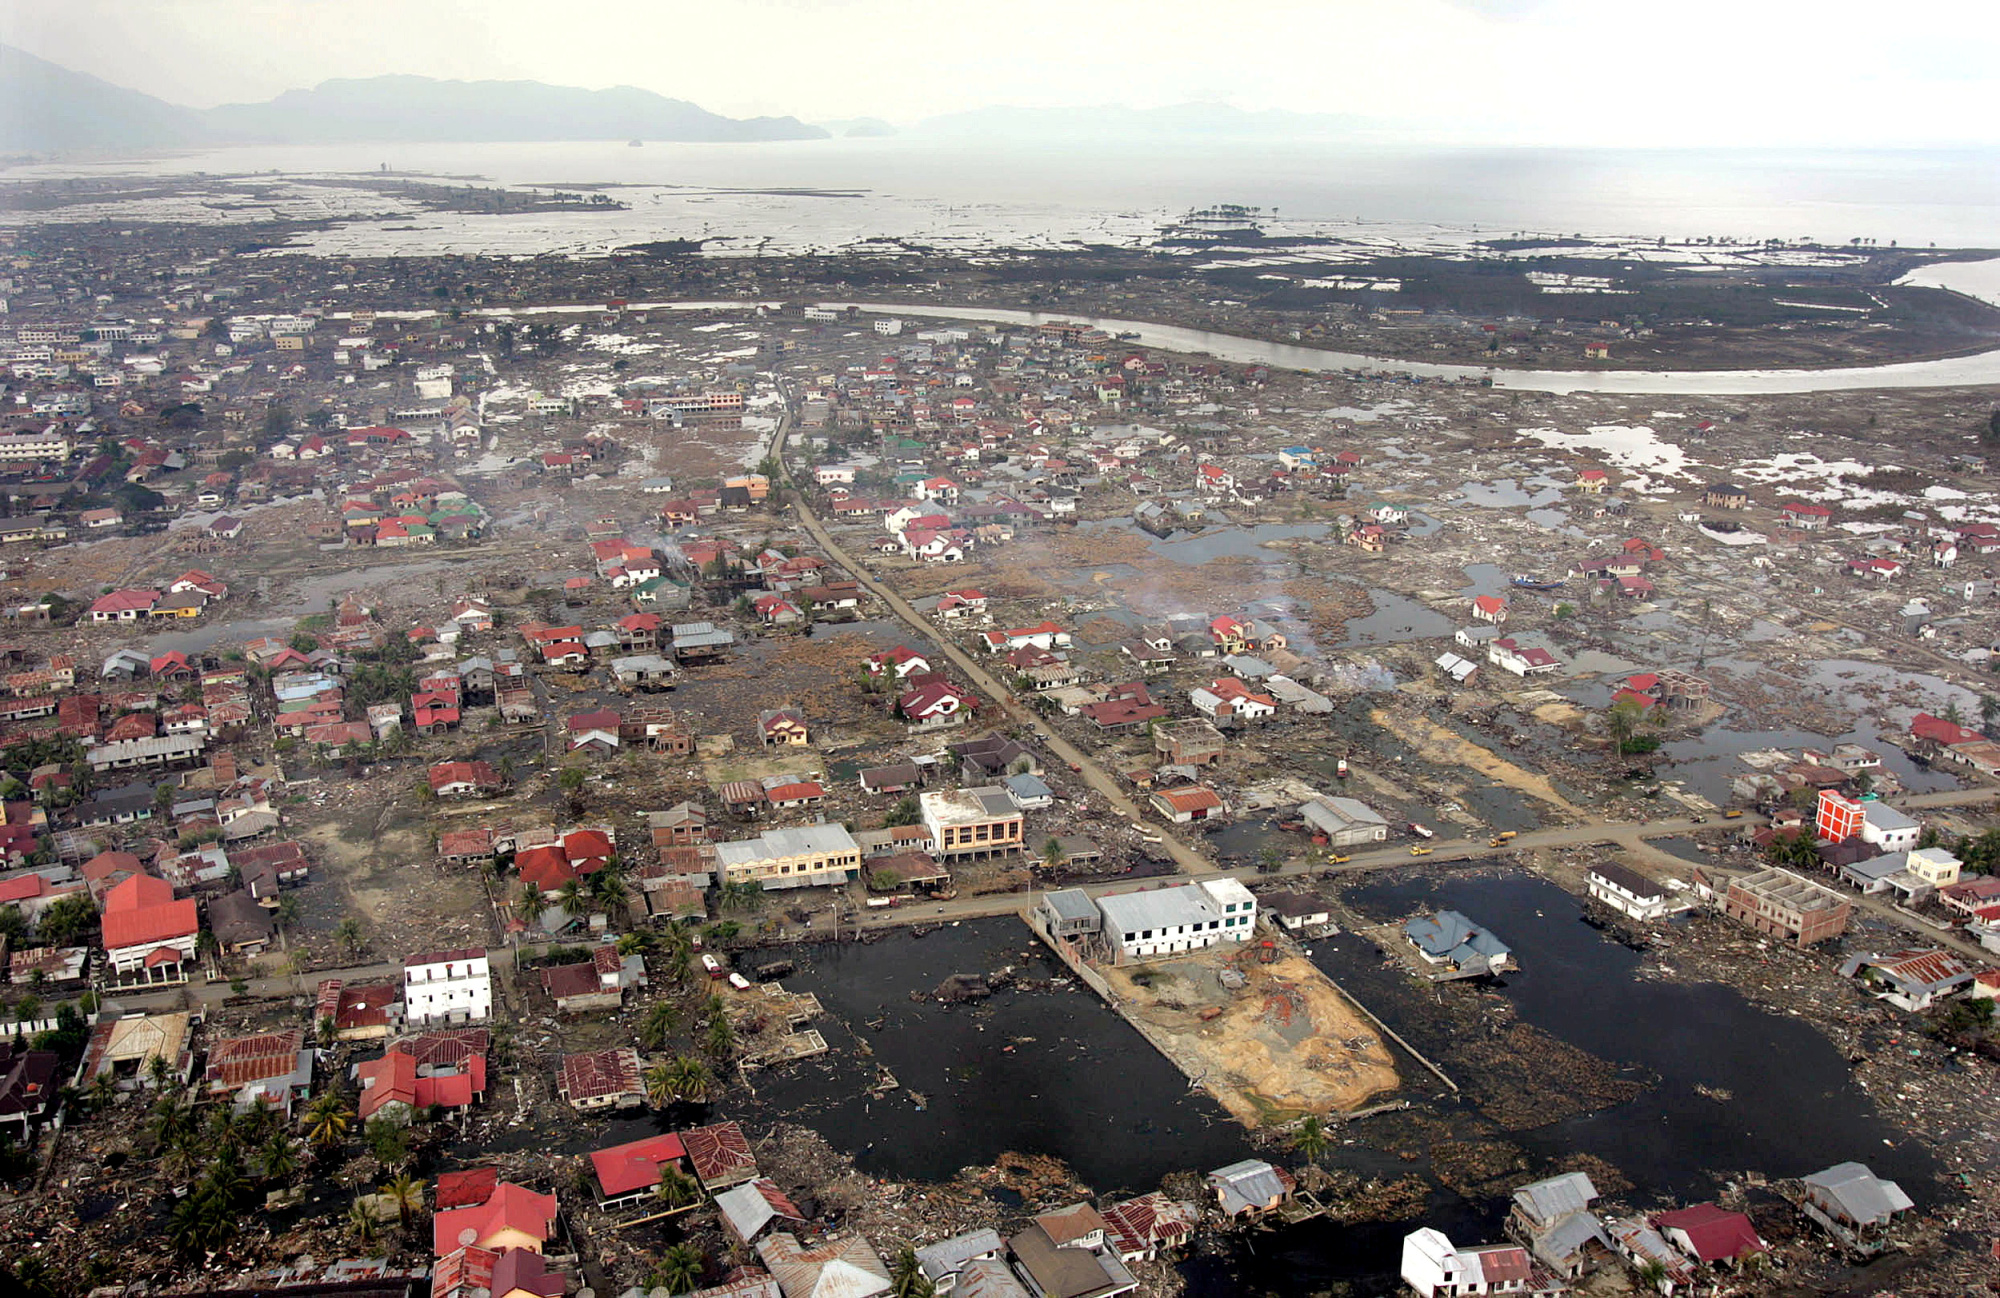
660, 1023
407, 1193
361, 1221
688, 1079
349, 934
277, 1158
681, 1267
571, 896
103, 1088
720, 1038
676, 1188
327, 1120
678, 962
171, 1118
182, 1157
1311, 1138
906, 1276
529, 900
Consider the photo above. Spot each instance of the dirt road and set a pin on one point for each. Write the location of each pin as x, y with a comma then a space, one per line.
1189, 860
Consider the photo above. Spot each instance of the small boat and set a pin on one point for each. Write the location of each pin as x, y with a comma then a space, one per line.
635, 144
1340, 768
1524, 582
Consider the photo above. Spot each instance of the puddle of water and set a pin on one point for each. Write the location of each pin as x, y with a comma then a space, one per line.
1396, 620
1508, 493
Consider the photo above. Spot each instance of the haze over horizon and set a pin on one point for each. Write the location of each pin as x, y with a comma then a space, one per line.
1530, 72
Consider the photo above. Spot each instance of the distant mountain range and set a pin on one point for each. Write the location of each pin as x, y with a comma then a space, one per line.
1117, 122
46, 108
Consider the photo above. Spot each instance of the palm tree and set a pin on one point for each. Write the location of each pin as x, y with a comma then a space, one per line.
326, 1032
201, 1223
407, 1193
679, 961
681, 1267
529, 900
1953, 713
226, 1178
659, 1086
720, 1038
660, 1023
608, 886
570, 896
158, 1069
287, 913
676, 1188
182, 1156
1989, 710
906, 1276
349, 934
102, 1088
171, 1118
688, 1079
361, 1222
327, 1119
1311, 1138
278, 1158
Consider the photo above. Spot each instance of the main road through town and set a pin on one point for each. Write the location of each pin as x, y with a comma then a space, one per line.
1189, 860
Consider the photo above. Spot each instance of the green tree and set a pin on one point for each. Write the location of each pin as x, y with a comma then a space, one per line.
907, 811
661, 1021
407, 1193
362, 1222
906, 1276
278, 1158
387, 1141
681, 1268
68, 921
744, 894
1311, 1138
720, 1038
1991, 433
1053, 855
676, 1188
327, 1119
348, 932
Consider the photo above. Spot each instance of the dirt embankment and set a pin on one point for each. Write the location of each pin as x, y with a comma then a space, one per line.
1284, 1044
1444, 747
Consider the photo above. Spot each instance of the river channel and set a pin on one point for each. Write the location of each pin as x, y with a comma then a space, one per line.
1953, 371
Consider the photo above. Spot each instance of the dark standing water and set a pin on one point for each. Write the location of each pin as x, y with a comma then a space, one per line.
1794, 1106
1054, 1073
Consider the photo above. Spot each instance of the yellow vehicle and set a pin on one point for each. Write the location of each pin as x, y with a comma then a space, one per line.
1422, 851
1338, 859
1734, 813
1495, 842
1506, 835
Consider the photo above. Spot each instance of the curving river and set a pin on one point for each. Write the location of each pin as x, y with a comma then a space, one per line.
1976, 370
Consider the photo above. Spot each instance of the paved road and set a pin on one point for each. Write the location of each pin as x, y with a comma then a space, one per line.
209, 994
1189, 860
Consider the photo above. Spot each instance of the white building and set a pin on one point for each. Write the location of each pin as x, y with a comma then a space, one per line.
46, 445
447, 987
1888, 828
1167, 921
889, 328
1628, 892
1437, 1268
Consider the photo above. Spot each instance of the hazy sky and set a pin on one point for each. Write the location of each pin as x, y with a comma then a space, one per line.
1633, 72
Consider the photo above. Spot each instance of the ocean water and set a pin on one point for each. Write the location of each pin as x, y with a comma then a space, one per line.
800, 195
